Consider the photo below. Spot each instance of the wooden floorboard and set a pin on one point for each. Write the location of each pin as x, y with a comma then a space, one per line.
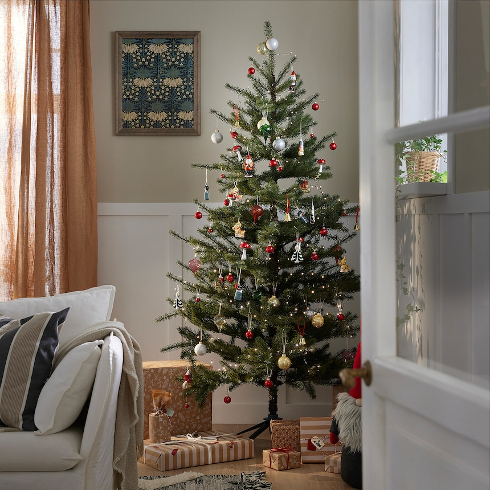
310, 476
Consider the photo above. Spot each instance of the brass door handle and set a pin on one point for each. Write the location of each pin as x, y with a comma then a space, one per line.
347, 376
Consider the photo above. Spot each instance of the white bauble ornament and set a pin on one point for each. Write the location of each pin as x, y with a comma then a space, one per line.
200, 349
279, 144
272, 44
216, 137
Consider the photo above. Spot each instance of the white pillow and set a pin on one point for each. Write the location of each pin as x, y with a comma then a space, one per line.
86, 308
66, 391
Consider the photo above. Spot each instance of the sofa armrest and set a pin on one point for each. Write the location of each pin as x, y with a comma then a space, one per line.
98, 437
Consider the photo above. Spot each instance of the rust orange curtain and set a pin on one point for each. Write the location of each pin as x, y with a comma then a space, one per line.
48, 210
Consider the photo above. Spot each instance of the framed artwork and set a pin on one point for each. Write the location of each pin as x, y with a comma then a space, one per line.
157, 76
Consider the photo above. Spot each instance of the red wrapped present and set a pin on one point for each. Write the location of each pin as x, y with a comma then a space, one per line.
285, 433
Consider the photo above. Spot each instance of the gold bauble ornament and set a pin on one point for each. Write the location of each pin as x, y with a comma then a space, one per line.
273, 301
317, 320
284, 362
262, 48
219, 320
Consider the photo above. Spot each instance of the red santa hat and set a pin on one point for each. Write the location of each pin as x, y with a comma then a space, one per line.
356, 391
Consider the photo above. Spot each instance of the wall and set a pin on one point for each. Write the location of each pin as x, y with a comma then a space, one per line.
322, 34
146, 183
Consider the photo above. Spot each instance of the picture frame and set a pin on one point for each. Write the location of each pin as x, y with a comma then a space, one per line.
158, 83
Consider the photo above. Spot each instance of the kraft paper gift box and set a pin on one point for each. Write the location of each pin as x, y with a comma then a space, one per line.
333, 462
159, 427
160, 375
281, 459
285, 433
314, 435
208, 448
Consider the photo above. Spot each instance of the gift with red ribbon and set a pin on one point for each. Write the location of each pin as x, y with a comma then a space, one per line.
283, 458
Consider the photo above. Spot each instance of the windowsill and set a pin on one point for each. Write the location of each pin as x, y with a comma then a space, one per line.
421, 189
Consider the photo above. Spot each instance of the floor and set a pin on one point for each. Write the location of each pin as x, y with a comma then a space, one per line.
312, 475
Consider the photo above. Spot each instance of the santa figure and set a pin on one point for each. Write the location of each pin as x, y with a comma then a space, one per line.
347, 426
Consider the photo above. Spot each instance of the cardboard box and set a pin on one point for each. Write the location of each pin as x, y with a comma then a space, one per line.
160, 375
285, 433
279, 460
333, 463
210, 447
315, 439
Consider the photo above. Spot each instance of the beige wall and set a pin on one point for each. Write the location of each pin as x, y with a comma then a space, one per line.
322, 34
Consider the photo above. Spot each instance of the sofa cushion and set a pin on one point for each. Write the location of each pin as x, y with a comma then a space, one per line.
27, 349
24, 451
67, 389
86, 308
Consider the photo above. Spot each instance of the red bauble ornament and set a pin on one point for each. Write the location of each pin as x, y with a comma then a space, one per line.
340, 317
333, 145
230, 277
268, 383
280, 168
227, 399
273, 163
269, 249
251, 70
222, 176
198, 215
186, 405
314, 256
312, 135
315, 106
198, 299
226, 202
249, 334
210, 230
323, 232
234, 134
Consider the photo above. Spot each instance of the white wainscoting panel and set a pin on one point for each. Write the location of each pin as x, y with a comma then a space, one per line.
443, 245
135, 253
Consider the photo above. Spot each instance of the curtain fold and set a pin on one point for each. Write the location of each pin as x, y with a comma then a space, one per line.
48, 168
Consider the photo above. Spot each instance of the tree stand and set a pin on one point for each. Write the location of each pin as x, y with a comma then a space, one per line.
260, 427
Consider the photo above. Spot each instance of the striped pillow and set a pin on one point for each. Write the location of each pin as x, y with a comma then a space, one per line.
27, 348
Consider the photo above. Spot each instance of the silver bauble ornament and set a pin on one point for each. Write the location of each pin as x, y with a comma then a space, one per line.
261, 48
216, 137
317, 320
272, 44
284, 362
200, 349
279, 144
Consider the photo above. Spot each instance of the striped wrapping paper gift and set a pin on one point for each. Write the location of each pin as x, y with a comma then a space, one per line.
314, 433
333, 462
184, 452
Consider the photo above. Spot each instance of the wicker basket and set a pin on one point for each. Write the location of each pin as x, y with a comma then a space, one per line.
420, 164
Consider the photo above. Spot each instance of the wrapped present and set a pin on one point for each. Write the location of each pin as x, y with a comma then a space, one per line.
159, 427
314, 435
332, 463
160, 375
207, 447
281, 458
285, 433
159, 422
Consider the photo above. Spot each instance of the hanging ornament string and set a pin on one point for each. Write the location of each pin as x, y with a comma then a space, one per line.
301, 146
288, 216
284, 341
312, 220
356, 227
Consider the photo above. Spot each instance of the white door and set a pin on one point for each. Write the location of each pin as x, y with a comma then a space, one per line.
423, 429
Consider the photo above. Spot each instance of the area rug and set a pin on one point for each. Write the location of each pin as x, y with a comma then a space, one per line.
197, 481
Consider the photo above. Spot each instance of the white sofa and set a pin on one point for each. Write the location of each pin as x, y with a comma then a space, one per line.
81, 456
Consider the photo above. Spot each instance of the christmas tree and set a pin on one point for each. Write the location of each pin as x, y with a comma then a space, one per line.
271, 259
